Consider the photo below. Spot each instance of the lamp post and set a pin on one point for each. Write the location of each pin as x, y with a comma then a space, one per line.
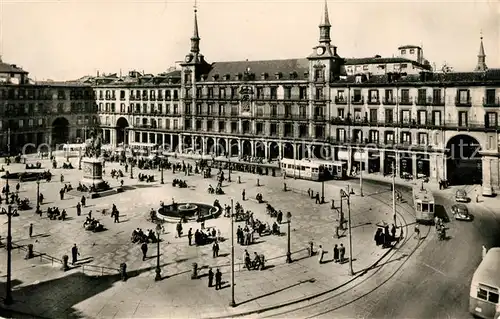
323, 190
132, 169
158, 269
347, 195
37, 195
229, 174
80, 158
361, 178
394, 193
161, 165
8, 286
233, 303
288, 253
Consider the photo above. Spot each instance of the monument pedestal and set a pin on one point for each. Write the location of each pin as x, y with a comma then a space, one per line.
92, 174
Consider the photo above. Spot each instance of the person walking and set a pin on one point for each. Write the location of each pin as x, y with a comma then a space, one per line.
179, 229
341, 253
393, 232
117, 215
144, 248
190, 235
31, 230
243, 195
321, 253
83, 200
78, 209
335, 253
218, 279
417, 232
214, 250
210, 278
74, 254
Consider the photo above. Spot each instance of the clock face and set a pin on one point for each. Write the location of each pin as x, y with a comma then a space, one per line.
320, 50
188, 58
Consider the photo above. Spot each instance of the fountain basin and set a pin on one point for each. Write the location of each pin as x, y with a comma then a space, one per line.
187, 212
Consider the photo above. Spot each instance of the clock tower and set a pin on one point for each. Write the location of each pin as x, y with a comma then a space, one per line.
324, 62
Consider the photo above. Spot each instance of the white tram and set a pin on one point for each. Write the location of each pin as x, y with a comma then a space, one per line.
313, 169
423, 201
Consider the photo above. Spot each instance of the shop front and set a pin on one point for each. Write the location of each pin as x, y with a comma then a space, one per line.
360, 158
373, 161
342, 155
423, 166
406, 166
389, 162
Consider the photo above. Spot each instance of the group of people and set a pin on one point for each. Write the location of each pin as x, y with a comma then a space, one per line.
53, 213
37, 165
179, 182
138, 236
146, 178
116, 173
92, 224
440, 228
383, 237
256, 263
218, 190
338, 253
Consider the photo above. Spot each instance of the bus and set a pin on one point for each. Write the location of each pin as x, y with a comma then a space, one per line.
424, 205
315, 170
485, 285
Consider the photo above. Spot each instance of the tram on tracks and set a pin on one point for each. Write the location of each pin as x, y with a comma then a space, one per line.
424, 204
313, 169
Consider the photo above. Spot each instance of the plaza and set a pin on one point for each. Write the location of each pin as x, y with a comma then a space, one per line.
102, 253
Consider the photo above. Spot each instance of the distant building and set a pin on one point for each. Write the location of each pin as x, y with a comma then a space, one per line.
36, 114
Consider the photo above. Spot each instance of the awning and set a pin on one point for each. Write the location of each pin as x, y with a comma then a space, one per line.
360, 156
343, 155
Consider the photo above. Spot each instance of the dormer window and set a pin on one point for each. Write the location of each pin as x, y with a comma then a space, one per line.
215, 77
204, 77
263, 76
239, 76
278, 75
293, 75
306, 74
412, 51
403, 51
359, 79
227, 77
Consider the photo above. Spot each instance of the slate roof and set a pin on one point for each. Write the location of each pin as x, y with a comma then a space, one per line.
62, 83
377, 60
143, 80
10, 68
492, 75
271, 67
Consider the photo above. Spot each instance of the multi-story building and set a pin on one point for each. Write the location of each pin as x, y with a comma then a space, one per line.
377, 114
34, 115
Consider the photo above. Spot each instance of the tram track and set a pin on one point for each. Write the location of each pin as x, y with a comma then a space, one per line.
326, 302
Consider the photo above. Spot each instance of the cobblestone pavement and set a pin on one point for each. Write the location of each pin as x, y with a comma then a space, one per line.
177, 293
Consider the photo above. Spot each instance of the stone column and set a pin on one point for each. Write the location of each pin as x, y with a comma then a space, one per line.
180, 143
309, 149
266, 150
252, 145
216, 146
414, 165
203, 145
240, 150
349, 160
397, 159
280, 150
487, 185
172, 142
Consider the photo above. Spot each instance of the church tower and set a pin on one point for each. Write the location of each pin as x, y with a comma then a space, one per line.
481, 58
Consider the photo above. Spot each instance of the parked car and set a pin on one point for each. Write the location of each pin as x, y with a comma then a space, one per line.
460, 212
461, 196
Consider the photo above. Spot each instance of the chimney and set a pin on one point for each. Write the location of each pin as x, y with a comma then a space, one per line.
97, 73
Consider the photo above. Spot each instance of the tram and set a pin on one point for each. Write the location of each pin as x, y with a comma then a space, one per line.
72, 150
424, 205
313, 169
485, 287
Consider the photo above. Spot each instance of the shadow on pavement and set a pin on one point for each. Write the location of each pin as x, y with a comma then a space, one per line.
273, 292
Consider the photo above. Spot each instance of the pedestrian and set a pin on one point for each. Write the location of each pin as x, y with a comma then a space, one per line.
321, 253
179, 229
61, 193
218, 279
83, 200
243, 195
214, 250
17, 187
317, 198
341, 253
417, 232
144, 248
117, 214
477, 198
393, 232
190, 235
62, 178
485, 251
239, 179
90, 214
335, 253
210, 278
78, 209
74, 254
31, 230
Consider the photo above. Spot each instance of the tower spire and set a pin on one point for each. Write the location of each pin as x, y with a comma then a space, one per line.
324, 27
481, 57
195, 39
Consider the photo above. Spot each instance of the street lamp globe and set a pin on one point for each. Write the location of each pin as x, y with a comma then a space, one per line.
289, 217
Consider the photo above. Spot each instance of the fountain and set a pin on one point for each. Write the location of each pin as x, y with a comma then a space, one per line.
187, 212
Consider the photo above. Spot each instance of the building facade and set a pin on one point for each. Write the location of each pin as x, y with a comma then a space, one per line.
36, 116
377, 114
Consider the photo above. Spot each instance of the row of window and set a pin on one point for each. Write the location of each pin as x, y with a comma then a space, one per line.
46, 93
139, 94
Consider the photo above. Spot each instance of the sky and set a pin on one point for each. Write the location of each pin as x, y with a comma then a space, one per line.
68, 39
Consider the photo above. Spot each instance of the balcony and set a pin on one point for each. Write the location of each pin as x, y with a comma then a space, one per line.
373, 101
358, 100
437, 101
389, 101
144, 98
423, 101
152, 98
319, 118
463, 102
406, 101
340, 100
160, 98
491, 102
